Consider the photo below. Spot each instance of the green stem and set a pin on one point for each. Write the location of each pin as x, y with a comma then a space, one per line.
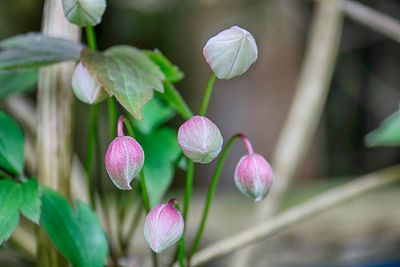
91, 38
211, 193
92, 132
207, 94
91, 151
188, 189
112, 116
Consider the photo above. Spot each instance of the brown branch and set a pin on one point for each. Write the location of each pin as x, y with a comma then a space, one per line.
300, 213
374, 20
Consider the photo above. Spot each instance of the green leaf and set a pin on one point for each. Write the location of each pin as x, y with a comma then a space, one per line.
30, 205
388, 133
11, 145
16, 82
10, 199
155, 114
161, 151
78, 234
175, 100
84, 12
172, 73
128, 74
34, 50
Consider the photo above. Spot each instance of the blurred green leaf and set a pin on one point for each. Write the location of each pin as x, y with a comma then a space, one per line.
16, 82
84, 12
161, 150
10, 199
11, 145
128, 74
175, 100
155, 114
14, 197
78, 235
388, 133
30, 205
34, 50
172, 73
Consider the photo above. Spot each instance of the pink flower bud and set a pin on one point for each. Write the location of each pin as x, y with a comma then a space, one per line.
231, 52
253, 174
163, 226
200, 139
85, 86
124, 159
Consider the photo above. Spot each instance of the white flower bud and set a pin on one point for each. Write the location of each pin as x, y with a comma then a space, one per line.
231, 52
86, 87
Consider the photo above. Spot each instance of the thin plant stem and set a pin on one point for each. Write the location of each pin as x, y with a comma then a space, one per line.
188, 189
207, 94
112, 116
91, 151
92, 132
211, 193
91, 38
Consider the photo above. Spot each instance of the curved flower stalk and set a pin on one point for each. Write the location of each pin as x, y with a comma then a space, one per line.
200, 139
163, 226
124, 158
86, 87
231, 52
253, 174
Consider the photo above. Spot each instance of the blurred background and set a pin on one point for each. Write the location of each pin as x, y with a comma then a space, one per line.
364, 91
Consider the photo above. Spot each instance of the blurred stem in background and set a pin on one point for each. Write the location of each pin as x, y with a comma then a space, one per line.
92, 138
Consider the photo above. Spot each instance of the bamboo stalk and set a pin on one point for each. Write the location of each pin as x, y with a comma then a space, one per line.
299, 213
54, 140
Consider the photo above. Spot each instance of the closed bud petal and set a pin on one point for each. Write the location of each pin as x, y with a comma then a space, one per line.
124, 159
163, 226
200, 139
231, 52
86, 87
253, 176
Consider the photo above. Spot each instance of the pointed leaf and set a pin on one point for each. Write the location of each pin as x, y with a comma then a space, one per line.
388, 133
84, 12
78, 234
30, 205
10, 199
128, 74
11, 145
161, 150
33, 50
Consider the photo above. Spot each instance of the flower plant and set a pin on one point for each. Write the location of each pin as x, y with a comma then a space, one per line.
137, 87
136, 82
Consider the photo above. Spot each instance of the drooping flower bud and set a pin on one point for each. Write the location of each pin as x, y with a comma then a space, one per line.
200, 139
163, 226
231, 52
253, 174
124, 159
86, 87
